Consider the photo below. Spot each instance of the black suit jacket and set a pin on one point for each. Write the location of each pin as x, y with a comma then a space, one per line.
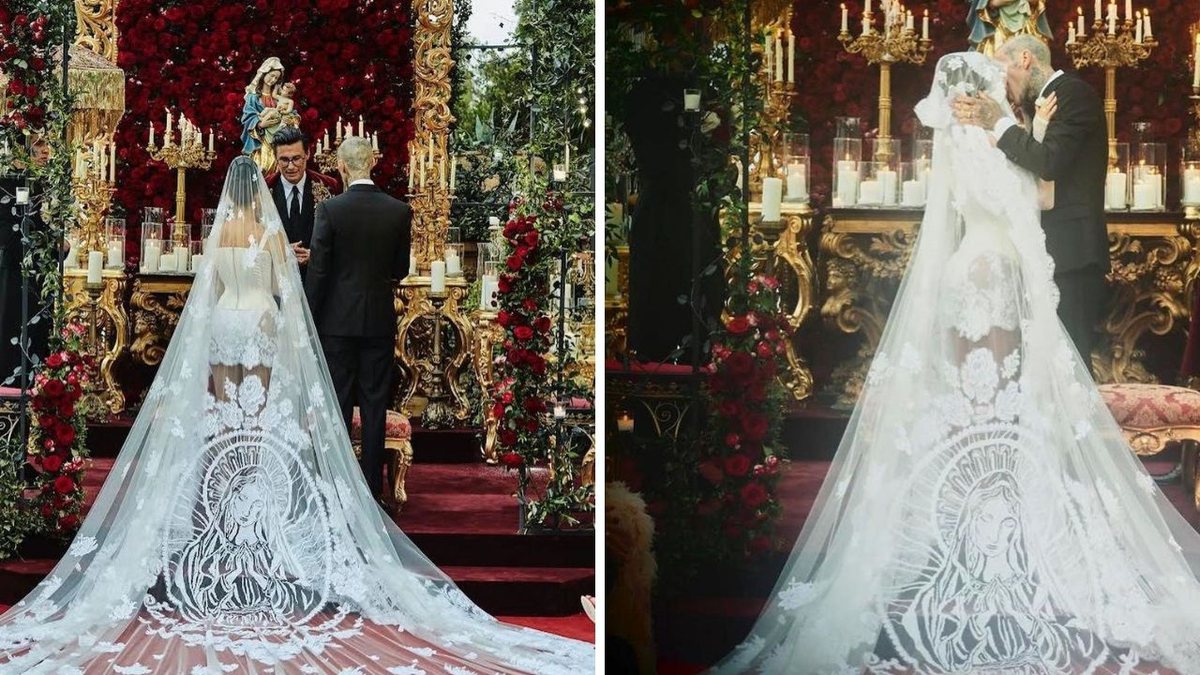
1074, 154
302, 230
360, 248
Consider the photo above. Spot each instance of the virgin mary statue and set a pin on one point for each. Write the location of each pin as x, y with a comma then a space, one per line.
259, 113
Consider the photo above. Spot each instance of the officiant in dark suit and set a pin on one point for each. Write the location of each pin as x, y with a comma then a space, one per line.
1073, 154
360, 245
297, 190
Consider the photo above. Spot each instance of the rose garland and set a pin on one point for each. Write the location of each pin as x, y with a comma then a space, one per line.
57, 447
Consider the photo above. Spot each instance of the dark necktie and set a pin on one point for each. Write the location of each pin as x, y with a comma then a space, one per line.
294, 209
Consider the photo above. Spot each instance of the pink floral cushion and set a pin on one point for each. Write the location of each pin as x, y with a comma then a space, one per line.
398, 427
1152, 406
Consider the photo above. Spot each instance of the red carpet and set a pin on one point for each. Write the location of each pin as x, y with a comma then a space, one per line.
462, 514
692, 633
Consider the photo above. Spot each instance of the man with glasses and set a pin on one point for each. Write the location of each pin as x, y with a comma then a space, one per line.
297, 190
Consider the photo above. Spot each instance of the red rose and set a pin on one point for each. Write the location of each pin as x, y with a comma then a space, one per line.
538, 365
732, 439
738, 325
52, 463
712, 472
754, 495
498, 410
764, 350
512, 460
755, 426
739, 364
504, 285
737, 465
542, 323
529, 424
68, 522
523, 333
507, 397
531, 238
54, 361
47, 510
63, 485
503, 318
54, 388
514, 262
64, 435
529, 305
507, 437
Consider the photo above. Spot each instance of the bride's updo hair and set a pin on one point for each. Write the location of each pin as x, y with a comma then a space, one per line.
243, 182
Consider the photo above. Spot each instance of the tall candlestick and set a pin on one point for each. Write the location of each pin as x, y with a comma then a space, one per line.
169, 128
778, 58
1081, 31
925, 26
1149, 34
845, 19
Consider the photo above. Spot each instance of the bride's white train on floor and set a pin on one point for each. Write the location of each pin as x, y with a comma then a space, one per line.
235, 533
983, 513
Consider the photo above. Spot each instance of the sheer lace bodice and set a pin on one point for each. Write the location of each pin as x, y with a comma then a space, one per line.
245, 278
245, 316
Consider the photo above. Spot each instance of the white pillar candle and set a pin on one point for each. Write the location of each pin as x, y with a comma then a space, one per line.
1112, 24
914, 194
1081, 31
338, 128
1196, 63
847, 184
845, 19
183, 256
1099, 16
453, 262
1191, 186
1115, 187
197, 262
167, 133
453, 172
152, 134
488, 286
1149, 33
691, 100
150, 257
1143, 195
1137, 28
887, 187
925, 26
1129, 10
361, 128
772, 198
412, 264
437, 276
797, 183
112, 163
211, 136
95, 265
768, 60
866, 25
869, 193
375, 141
166, 262
1071, 34
115, 253
22, 196
778, 58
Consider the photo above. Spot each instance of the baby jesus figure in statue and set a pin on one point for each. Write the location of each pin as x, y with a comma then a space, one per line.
284, 114
994, 22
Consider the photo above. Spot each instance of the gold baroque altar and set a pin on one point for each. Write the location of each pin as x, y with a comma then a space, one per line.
1155, 261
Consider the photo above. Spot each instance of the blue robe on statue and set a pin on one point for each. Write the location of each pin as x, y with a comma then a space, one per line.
1011, 20
252, 143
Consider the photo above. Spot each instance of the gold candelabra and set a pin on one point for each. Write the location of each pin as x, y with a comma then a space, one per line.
189, 153
93, 198
779, 91
1112, 44
898, 42
325, 151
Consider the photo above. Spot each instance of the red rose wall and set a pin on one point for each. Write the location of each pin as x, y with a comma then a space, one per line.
833, 83
347, 58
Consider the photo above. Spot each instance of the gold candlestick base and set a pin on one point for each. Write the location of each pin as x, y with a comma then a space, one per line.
101, 308
432, 346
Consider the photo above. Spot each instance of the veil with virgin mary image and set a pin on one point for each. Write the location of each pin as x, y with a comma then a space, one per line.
235, 532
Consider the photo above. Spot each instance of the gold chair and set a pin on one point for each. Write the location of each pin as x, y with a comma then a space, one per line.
397, 442
1153, 415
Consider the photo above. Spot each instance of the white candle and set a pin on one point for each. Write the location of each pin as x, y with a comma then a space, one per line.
22, 196
1071, 34
412, 264
327, 146
887, 186
868, 193
167, 134
360, 126
625, 423
797, 183
1115, 188
72, 261
421, 182
867, 7
95, 264
1098, 14
437, 276
115, 253
339, 129
183, 256
925, 26
1137, 28
908, 21
112, 164
152, 134
914, 193
1143, 195
691, 101
778, 58
767, 59
1129, 10
560, 411
1112, 24
197, 262
488, 287
453, 171
375, 141
150, 256
1149, 34
1196, 63
166, 262
772, 198
1081, 31
1112, 10
211, 135
567, 155
453, 262
1191, 186
866, 25
845, 19
847, 184
791, 57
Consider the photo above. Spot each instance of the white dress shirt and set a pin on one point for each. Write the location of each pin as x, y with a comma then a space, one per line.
362, 181
287, 191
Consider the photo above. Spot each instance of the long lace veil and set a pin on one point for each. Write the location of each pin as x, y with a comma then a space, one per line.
235, 532
983, 512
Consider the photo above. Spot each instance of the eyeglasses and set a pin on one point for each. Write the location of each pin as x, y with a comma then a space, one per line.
292, 160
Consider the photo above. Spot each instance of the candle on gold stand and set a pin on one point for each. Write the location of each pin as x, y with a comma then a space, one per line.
1112, 45
898, 42
189, 153
779, 87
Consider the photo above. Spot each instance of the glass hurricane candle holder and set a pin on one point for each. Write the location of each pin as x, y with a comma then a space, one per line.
168, 261
847, 127
847, 160
1116, 179
453, 253
489, 285
152, 247
1149, 169
197, 257
913, 186
152, 215
794, 162
879, 185
114, 238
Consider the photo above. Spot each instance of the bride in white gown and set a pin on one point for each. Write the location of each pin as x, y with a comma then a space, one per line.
983, 513
235, 533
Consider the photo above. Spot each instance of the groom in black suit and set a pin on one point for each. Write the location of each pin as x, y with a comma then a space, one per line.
1073, 154
360, 247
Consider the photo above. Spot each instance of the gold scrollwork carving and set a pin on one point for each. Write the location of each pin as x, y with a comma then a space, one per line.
432, 347
97, 27
156, 305
487, 334
432, 66
103, 312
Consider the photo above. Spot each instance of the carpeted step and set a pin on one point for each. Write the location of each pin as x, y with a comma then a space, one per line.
517, 550
547, 591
